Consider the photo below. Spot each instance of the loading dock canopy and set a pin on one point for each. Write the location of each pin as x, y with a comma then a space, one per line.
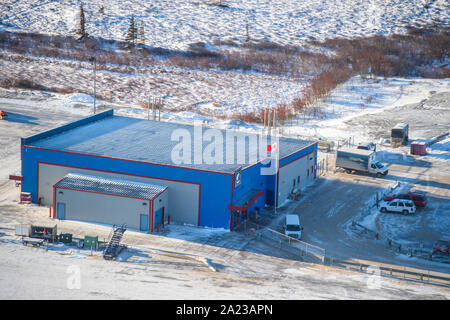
118, 187
246, 201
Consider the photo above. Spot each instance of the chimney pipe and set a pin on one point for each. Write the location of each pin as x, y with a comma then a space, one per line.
274, 119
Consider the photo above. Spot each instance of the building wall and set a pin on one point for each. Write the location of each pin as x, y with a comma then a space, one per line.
214, 196
180, 209
251, 179
162, 201
100, 208
303, 165
197, 197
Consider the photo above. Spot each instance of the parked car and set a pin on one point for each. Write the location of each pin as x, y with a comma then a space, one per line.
399, 206
419, 199
368, 146
442, 245
292, 226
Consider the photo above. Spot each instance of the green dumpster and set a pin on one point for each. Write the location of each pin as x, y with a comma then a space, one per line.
91, 242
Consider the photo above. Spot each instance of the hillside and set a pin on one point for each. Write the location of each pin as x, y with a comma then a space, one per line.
175, 24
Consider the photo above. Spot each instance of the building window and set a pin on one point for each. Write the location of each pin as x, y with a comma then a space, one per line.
294, 182
307, 172
298, 180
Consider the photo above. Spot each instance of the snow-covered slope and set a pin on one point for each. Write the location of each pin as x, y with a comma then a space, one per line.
174, 24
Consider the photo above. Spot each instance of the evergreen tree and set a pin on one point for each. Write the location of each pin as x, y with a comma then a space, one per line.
141, 35
131, 36
247, 34
81, 30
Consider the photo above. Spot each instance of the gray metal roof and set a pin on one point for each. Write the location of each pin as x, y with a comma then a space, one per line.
400, 126
117, 187
150, 141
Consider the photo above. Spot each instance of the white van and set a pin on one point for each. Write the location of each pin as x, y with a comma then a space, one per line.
292, 226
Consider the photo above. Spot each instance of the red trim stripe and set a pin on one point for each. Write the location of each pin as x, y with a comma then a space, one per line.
297, 159
241, 208
231, 201
153, 211
278, 175
54, 202
299, 150
21, 166
149, 219
129, 160
160, 193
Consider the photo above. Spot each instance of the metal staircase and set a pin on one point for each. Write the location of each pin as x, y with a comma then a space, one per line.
113, 248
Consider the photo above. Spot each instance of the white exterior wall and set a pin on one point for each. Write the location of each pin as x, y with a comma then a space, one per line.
291, 171
157, 204
183, 196
101, 208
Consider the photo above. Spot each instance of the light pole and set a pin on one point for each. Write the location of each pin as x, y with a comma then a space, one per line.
92, 59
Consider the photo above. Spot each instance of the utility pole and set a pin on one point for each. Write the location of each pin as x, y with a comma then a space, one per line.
148, 103
159, 109
92, 59
148, 108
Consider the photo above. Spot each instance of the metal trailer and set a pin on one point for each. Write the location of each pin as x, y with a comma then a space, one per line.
399, 135
34, 242
23, 230
48, 233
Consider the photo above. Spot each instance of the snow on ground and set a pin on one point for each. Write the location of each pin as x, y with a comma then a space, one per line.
173, 270
210, 93
147, 270
175, 24
428, 223
71, 103
358, 98
193, 233
439, 150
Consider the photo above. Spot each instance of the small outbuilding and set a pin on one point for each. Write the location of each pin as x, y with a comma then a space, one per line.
111, 201
418, 148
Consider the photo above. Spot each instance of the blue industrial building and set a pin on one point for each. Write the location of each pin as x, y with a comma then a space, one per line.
105, 147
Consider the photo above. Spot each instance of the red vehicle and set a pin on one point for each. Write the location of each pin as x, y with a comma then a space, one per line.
442, 245
419, 199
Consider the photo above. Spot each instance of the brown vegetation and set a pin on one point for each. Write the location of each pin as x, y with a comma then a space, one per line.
416, 53
411, 54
